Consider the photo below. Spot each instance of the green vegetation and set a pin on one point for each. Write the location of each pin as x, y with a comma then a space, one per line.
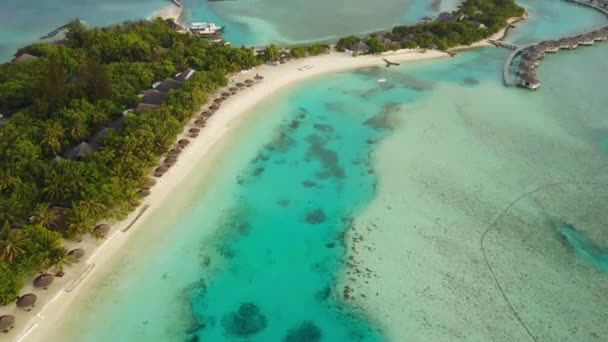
473, 21
71, 92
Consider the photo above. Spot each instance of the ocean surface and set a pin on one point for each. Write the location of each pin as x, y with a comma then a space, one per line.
24, 22
249, 22
463, 189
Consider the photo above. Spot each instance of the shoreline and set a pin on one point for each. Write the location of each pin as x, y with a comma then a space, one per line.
34, 326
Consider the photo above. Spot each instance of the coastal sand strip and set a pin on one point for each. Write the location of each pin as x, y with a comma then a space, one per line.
276, 78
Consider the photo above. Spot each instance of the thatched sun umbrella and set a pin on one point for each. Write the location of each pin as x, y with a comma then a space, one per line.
194, 130
148, 183
249, 85
143, 193
249, 81
159, 171
199, 123
240, 85
175, 151
43, 281
183, 143
226, 94
218, 100
76, 254
259, 77
26, 301
102, 230
170, 160
7, 322
206, 113
233, 90
214, 107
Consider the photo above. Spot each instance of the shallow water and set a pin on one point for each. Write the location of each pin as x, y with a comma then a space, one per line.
257, 22
25, 21
253, 249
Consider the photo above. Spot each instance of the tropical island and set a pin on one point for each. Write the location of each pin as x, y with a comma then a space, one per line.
85, 122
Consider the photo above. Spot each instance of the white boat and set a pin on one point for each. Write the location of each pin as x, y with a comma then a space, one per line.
306, 67
382, 80
205, 29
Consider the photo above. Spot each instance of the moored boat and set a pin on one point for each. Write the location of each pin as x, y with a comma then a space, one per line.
206, 30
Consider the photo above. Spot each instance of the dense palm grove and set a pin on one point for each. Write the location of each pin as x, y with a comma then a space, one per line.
64, 97
472, 22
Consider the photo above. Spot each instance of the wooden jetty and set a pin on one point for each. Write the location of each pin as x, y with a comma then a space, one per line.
523, 73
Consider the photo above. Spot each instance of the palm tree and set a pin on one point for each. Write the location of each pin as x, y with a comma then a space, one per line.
13, 246
91, 207
8, 182
54, 188
44, 216
60, 260
52, 137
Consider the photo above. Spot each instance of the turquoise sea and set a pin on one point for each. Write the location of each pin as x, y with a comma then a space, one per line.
253, 247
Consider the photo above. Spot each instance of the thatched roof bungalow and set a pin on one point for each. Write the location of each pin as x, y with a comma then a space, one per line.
185, 75
168, 84
359, 48
24, 58
7, 322
101, 230
145, 107
76, 254
26, 301
43, 281
153, 96
79, 151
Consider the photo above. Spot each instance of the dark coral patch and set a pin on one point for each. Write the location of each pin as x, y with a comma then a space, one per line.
226, 251
308, 184
258, 171
327, 157
283, 202
323, 128
323, 294
316, 216
307, 331
247, 321
471, 81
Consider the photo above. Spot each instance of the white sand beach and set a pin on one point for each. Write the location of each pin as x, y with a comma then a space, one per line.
46, 316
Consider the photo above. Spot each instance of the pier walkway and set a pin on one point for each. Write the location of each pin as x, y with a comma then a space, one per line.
510, 70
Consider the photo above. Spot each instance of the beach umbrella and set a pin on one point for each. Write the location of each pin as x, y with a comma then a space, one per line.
214, 107
199, 123
225, 94
218, 100
240, 85
194, 130
249, 85
206, 113
76, 254
7, 322
101, 230
43, 281
249, 81
183, 142
160, 170
259, 77
143, 193
175, 151
26, 301
170, 160
148, 183
233, 89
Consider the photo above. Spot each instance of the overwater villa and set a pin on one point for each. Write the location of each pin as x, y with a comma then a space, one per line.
529, 82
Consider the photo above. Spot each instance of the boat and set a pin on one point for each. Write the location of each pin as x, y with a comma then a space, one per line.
205, 29
382, 80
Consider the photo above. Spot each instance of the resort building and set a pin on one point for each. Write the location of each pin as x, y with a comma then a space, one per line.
359, 48
185, 75
24, 57
167, 84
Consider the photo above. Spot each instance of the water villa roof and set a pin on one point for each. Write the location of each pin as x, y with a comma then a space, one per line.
360, 47
168, 84
78, 151
145, 107
153, 96
26, 301
23, 58
43, 281
185, 75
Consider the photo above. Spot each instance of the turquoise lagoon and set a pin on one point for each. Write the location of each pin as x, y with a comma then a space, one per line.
253, 245
258, 22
